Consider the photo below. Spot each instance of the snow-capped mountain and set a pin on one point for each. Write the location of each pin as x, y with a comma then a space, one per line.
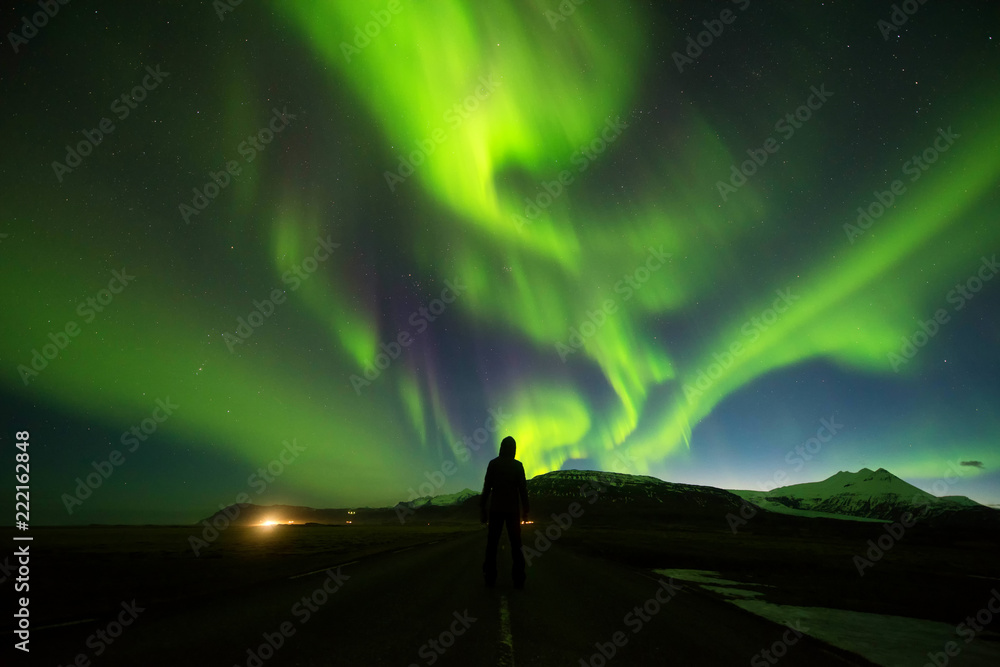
619, 497
444, 500
865, 494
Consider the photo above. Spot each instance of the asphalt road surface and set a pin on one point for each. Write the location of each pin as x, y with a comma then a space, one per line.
427, 605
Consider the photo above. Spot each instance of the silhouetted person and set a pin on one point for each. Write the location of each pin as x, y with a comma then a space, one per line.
503, 489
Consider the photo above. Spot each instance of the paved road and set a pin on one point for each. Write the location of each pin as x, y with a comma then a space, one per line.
387, 610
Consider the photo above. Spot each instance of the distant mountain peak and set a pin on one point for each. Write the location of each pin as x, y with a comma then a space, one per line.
864, 473
867, 493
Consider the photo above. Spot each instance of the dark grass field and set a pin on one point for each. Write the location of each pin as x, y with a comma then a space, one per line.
921, 575
85, 571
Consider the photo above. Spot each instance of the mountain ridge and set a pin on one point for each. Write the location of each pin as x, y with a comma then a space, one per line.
865, 495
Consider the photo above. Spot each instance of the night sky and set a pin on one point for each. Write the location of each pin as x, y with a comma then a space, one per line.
277, 240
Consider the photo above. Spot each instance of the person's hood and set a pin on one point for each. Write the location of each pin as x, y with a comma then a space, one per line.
507, 449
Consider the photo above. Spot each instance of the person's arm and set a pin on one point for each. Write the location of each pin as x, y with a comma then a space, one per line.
522, 487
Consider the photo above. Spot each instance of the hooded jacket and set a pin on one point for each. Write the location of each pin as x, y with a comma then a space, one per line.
504, 485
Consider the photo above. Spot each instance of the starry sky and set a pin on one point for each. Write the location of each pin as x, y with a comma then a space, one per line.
330, 253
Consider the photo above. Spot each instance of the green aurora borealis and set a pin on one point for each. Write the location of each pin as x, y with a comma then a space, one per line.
637, 249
